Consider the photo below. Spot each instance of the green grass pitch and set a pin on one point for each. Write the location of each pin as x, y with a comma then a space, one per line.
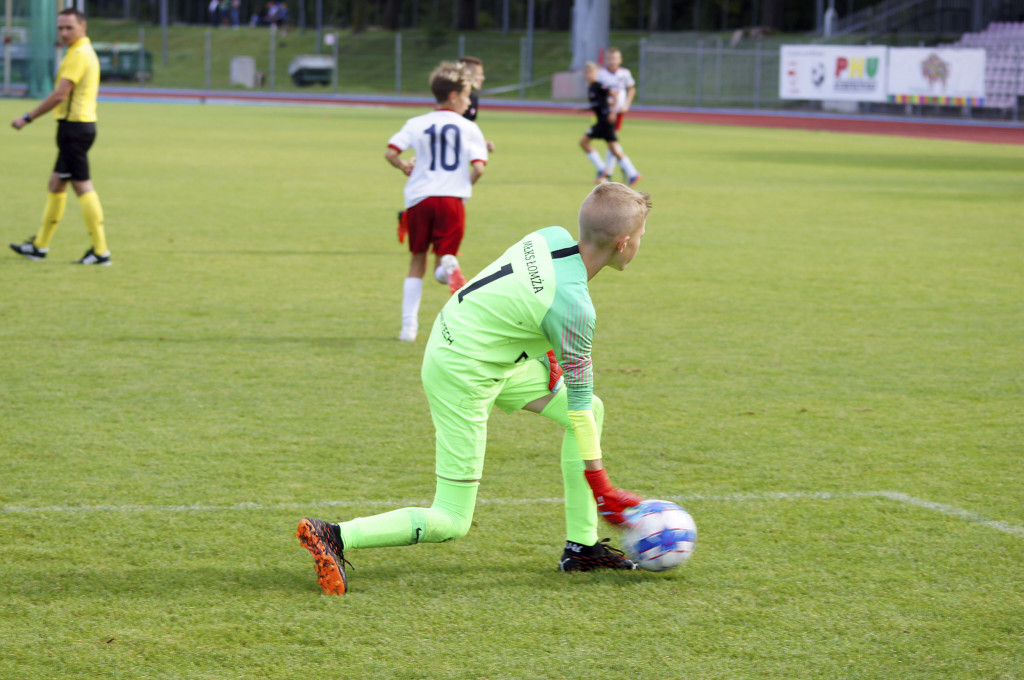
817, 352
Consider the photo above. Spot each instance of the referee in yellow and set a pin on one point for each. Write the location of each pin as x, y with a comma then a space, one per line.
74, 101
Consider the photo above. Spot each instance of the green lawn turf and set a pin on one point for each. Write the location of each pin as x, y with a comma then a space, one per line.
818, 352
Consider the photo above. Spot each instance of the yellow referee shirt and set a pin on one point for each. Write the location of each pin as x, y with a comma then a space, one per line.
81, 66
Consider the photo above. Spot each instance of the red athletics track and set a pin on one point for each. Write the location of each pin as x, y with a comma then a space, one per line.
967, 131
992, 133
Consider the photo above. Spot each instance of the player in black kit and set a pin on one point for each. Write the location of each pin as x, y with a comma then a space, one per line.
600, 97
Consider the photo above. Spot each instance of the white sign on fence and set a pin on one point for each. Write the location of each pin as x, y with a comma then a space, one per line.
833, 72
917, 75
932, 75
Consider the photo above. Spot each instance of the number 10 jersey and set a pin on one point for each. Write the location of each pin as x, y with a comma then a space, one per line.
445, 145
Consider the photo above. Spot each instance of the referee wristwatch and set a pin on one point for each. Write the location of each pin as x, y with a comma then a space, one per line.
27, 118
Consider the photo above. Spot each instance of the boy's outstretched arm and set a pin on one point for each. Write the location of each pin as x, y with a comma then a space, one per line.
393, 156
611, 502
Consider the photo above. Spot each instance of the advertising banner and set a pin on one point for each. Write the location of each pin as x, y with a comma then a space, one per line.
833, 72
924, 75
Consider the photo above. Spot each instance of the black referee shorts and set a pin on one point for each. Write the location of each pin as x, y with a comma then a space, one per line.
73, 142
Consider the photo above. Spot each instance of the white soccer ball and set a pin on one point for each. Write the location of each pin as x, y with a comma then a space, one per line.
659, 535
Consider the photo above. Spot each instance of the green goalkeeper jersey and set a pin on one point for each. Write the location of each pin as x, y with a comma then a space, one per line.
531, 299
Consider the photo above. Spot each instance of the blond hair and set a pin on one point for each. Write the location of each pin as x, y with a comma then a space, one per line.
449, 77
612, 210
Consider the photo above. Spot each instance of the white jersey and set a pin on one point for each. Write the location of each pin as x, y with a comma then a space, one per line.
445, 145
619, 83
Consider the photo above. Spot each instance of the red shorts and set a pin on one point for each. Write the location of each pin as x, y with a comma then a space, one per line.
438, 222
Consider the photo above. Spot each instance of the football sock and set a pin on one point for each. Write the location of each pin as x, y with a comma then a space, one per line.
412, 293
93, 213
52, 214
580, 508
448, 518
610, 161
595, 158
628, 168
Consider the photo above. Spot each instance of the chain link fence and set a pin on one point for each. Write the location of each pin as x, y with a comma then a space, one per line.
709, 74
688, 70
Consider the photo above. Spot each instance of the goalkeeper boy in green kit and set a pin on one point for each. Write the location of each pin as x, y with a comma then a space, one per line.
487, 348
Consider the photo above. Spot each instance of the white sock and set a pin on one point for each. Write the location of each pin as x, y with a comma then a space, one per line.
412, 293
595, 158
628, 168
440, 274
609, 163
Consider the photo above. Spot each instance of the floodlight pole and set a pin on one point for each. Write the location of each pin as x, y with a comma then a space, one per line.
319, 26
590, 23
529, 42
163, 28
44, 49
830, 19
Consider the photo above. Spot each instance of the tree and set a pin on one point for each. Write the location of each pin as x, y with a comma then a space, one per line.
359, 15
467, 15
654, 16
772, 13
392, 15
560, 15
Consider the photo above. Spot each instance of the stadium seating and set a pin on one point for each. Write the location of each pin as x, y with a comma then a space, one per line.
1003, 42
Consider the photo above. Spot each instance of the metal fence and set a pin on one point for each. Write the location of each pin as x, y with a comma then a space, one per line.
373, 63
709, 74
671, 69
712, 73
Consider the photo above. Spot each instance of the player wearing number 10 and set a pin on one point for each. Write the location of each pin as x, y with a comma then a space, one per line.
450, 156
487, 348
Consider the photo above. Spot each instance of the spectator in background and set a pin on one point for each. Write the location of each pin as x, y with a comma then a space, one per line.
258, 17
236, 12
277, 15
214, 9
272, 14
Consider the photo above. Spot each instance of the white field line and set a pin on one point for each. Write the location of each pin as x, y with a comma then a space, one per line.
895, 496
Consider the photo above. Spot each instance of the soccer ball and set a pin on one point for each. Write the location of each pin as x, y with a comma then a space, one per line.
660, 535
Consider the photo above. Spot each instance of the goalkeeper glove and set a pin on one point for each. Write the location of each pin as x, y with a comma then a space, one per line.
554, 372
611, 502
403, 226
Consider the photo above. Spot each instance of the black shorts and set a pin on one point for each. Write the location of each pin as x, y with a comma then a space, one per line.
73, 142
603, 130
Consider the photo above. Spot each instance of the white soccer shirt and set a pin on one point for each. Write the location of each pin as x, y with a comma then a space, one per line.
445, 145
618, 82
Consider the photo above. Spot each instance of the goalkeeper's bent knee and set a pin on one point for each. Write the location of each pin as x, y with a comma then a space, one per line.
451, 515
440, 527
